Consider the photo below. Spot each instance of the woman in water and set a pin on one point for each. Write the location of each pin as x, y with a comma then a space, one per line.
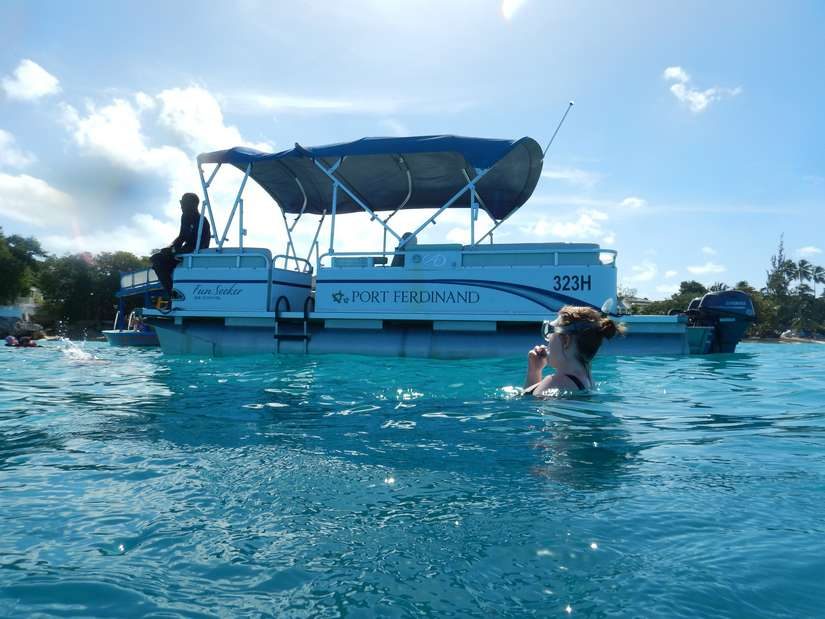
573, 339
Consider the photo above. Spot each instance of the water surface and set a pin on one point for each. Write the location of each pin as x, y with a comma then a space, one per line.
134, 484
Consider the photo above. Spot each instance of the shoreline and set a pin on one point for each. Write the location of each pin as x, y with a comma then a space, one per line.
782, 340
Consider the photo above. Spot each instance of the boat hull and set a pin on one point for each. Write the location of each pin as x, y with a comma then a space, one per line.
132, 338
214, 338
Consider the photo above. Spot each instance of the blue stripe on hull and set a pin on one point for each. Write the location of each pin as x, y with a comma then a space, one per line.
518, 290
236, 281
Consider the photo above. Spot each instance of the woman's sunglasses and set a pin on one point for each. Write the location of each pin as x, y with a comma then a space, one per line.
549, 327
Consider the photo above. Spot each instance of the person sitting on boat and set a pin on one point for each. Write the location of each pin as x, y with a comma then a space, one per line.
11, 341
573, 339
164, 262
398, 258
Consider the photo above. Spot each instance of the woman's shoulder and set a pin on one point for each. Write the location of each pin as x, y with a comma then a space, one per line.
561, 382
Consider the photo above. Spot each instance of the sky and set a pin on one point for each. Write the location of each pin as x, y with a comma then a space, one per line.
695, 141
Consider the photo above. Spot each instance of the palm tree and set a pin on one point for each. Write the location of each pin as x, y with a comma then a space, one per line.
718, 287
804, 271
817, 276
744, 286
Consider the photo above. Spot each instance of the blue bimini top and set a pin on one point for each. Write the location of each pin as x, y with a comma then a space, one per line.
418, 172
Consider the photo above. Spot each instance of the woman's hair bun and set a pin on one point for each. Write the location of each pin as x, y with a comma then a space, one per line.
608, 328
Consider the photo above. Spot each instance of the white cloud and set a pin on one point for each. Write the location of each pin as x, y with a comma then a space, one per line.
568, 201
707, 269
696, 100
33, 201
808, 250
574, 176
12, 156
510, 7
708, 251
669, 289
643, 272
194, 115
371, 105
587, 224
114, 132
633, 202
676, 74
30, 82
285, 104
157, 135
395, 127
143, 234
671, 273
609, 238
459, 235
144, 101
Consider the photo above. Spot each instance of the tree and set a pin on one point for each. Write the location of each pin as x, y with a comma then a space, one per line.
718, 287
691, 287
817, 276
67, 286
82, 287
804, 271
744, 286
19, 265
688, 290
781, 273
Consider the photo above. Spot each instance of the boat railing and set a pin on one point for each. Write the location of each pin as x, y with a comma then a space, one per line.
302, 265
370, 259
130, 322
242, 257
135, 279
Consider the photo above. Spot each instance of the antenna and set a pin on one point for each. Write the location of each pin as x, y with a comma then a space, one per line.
561, 122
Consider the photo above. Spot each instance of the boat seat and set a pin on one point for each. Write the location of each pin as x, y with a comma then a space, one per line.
531, 254
437, 247
358, 261
548, 246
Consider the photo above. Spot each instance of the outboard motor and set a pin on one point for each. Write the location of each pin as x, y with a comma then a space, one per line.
729, 312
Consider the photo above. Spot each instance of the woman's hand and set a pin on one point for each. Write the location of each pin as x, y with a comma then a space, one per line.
536, 362
537, 358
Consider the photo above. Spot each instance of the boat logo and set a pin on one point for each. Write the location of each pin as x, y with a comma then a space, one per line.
340, 297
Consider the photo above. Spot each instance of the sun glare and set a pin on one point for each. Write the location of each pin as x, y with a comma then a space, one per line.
510, 7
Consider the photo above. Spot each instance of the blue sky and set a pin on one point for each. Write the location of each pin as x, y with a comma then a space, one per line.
695, 141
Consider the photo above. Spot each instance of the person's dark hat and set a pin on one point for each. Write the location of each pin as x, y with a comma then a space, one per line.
189, 200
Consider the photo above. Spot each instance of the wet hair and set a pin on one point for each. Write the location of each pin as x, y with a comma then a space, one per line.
189, 201
588, 339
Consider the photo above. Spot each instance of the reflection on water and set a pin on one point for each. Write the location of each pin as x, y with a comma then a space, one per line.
133, 483
587, 449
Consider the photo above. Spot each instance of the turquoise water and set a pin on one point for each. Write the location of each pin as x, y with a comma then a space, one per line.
132, 484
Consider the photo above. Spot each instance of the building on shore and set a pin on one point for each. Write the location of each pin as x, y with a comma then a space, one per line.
627, 303
23, 308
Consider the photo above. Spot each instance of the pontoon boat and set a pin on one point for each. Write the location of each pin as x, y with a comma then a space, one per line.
483, 299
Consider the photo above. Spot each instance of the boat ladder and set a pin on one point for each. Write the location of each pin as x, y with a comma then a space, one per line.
285, 328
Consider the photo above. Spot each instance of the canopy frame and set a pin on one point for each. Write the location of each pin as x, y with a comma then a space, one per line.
320, 158
338, 184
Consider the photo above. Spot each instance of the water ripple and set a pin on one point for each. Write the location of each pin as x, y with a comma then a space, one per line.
136, 484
